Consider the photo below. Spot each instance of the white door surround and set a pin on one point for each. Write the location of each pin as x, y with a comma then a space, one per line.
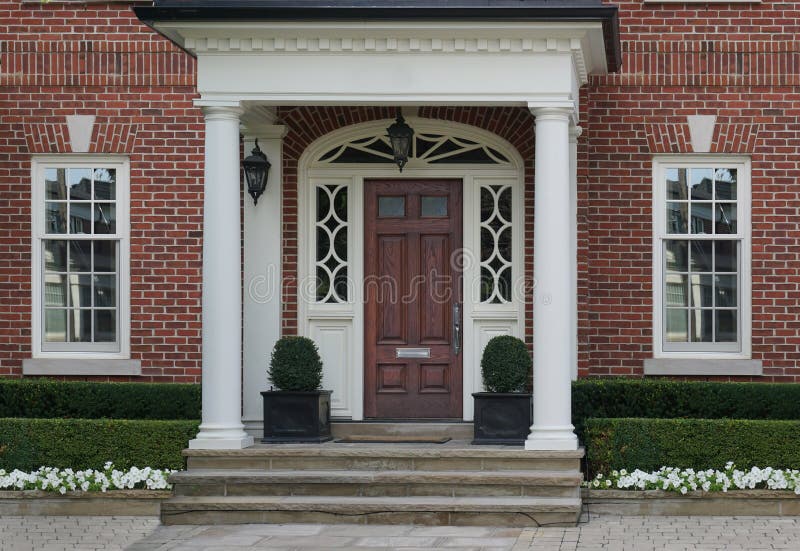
540, 64
337, 326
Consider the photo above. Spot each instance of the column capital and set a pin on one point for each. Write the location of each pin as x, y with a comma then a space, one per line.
217, 113
216, 110
558, 111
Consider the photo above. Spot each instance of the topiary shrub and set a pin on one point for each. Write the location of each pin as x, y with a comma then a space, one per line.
295, 365
506, 364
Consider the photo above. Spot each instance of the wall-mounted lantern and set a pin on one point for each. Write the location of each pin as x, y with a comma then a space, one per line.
256, 169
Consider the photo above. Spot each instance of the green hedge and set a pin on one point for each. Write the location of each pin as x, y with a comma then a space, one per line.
45, 398
617, 397
649, 444
27, 444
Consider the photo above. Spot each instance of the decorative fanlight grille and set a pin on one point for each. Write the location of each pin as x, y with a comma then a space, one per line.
430, 148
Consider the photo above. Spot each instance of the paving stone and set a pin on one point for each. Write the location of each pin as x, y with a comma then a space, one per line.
598, 533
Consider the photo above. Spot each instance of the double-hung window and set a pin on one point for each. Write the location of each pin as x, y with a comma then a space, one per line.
702, 257
80, 257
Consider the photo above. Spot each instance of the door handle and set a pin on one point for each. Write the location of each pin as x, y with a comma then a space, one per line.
456, 328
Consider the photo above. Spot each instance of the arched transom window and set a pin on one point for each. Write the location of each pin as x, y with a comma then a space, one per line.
427, 147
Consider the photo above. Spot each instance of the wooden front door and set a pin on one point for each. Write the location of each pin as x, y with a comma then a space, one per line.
412, 356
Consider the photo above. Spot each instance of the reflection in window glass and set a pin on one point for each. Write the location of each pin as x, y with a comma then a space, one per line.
725, 184
80, 279
677, 217
80, 184
702, 328
676, 184
677, 326
700, 271
702, 184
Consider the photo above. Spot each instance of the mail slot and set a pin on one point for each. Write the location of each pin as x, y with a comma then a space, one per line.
413, 352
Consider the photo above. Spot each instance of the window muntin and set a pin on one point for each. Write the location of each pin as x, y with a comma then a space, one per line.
80, 224
702, 246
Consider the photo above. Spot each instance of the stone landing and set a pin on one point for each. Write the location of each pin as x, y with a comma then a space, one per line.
431, 484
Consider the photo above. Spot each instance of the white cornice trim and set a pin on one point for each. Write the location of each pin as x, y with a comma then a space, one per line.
295, 45
381, 44
582, 40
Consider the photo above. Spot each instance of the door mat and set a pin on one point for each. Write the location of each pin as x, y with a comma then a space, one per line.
393, 440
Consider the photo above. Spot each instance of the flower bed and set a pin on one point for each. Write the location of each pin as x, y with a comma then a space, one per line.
673, 479
65, 480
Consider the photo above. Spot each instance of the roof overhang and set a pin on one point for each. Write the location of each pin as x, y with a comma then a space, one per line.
468, 52
164, 14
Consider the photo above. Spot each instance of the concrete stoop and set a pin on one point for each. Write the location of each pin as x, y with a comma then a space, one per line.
453, 484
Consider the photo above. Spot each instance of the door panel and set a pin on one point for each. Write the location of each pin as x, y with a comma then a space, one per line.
392, 269
412, 229
434, 314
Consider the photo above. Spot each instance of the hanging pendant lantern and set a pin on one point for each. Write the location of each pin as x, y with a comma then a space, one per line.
400, 136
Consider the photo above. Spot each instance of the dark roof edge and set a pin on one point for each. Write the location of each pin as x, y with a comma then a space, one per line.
607, 14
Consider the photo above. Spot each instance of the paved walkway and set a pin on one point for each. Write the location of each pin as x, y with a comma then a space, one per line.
667, 533
31, 533
604, 532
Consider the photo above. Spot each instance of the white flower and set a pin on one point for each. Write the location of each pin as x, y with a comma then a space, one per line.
685, 480
55, 480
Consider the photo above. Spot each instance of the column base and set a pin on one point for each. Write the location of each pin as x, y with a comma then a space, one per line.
221, 439
552, 439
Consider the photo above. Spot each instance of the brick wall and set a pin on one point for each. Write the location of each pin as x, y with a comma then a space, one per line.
742, 64
98, 59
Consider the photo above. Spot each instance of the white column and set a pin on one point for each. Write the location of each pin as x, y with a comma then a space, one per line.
574, 134
221, 426
262, 274
552, 424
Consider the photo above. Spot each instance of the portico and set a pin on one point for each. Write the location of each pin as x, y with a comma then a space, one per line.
253, 60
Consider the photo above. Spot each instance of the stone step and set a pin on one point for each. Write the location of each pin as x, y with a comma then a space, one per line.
394, 429
211, 482
455, 456
494, 511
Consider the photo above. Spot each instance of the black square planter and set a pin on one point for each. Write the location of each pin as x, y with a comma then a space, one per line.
502, 418
296, 417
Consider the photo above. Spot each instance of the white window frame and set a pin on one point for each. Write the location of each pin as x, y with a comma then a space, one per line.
743, 202
39, 164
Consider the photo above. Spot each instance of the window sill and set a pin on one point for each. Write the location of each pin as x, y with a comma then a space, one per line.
701, 366
71, 366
